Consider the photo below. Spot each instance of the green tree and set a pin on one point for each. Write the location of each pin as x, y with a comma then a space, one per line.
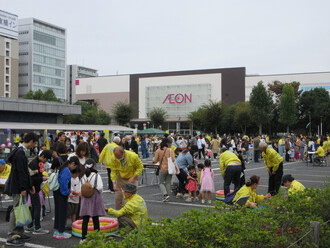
90, 114
198, 119
123, 112
316, 102
227, 121
49, 95
157, 116
213, 112
260, 105
242, 117
276, 88
288, 107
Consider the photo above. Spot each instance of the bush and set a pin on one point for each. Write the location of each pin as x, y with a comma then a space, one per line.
279, 223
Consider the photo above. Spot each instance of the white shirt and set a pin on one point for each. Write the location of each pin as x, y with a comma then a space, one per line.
76, 187
99, 183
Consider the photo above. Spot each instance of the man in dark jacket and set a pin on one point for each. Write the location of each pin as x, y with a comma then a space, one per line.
102, 142
36, 169
18, 185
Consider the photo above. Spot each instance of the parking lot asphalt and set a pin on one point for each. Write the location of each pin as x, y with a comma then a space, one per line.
308, 175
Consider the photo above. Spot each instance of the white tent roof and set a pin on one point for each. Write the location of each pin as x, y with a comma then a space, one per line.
62, 127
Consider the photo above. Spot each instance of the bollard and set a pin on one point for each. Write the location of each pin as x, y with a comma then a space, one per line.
315, 225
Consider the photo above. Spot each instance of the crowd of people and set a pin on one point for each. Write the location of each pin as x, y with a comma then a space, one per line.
69, 169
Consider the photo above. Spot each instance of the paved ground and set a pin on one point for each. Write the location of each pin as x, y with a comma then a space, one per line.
308, 175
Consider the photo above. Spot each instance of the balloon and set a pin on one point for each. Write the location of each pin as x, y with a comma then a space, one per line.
8, 140
49, 138
97, 137
57, 131
9, 144
3, 146
48, 134
25, 134
8, 130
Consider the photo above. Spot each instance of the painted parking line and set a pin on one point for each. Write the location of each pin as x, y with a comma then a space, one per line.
28, 244
181, 204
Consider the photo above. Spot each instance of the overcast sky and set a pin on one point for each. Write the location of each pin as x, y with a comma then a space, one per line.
124, 37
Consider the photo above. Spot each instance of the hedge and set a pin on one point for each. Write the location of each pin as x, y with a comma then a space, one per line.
280, 222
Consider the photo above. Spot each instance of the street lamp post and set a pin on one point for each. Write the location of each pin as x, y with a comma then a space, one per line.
310, 124
321, 123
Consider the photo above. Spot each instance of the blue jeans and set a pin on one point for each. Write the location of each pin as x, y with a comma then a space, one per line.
280, 150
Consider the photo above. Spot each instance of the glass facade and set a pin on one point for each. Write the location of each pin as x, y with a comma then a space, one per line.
49, 58
177, 100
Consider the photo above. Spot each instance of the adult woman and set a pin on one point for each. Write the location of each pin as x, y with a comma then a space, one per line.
291, 184
215, 146
162, 154
183, 160
250, 189
62, 152
61, 197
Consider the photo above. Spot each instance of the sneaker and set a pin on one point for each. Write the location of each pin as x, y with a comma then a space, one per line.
24, 237
41, 218
178, 195
196, 199
65, 235
56, 235
209, 202
112, 192
15, 242
41, 231
185, 196
188, 199
203, 201
166, 198
29, 229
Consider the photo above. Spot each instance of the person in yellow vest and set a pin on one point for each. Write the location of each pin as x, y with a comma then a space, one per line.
292, 185
320, 154
107, 156
281, 144
230, 167
274, 163
17, 140
250, 189
126, 166
135, 208
4, 172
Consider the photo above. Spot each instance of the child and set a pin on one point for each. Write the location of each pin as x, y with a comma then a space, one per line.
207, 181
200, 168
192, 184
73, 202
296, 153
93, 206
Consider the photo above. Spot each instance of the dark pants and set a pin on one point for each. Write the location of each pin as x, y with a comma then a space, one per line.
232, 174
215, 155
125, 221
35, 210
274, 181
96, 224
110, 184
199, 153
61, 205
14, 230
256, 155
182, 177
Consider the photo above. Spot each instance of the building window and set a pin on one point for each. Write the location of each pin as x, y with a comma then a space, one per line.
23, 32
7, 95
21, 54
7, 62
23, 64
7, 45
23, 74
7, 70
7, 87
7, 53
7, 79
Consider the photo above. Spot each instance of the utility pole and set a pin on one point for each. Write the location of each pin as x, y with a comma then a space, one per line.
310, 124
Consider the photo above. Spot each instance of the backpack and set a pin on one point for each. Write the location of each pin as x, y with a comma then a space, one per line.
87, 190
230, 197
53, 179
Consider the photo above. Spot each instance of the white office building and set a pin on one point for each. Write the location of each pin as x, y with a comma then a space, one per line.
74, 72
42, 57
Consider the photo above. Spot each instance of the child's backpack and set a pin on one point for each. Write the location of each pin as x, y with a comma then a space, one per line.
53, 179
230, 197
87, 190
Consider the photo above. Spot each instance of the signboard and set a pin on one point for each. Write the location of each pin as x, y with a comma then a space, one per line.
8, 25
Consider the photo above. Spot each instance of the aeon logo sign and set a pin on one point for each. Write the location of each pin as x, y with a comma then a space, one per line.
178, 98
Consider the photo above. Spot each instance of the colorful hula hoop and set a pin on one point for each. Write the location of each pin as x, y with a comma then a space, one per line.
107, 225
220, 194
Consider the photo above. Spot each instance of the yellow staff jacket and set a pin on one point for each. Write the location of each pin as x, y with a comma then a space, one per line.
107, 154
272, 159
227, 158
246, 190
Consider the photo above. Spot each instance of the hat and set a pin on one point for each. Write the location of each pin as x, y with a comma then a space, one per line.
2, 161
130, 188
